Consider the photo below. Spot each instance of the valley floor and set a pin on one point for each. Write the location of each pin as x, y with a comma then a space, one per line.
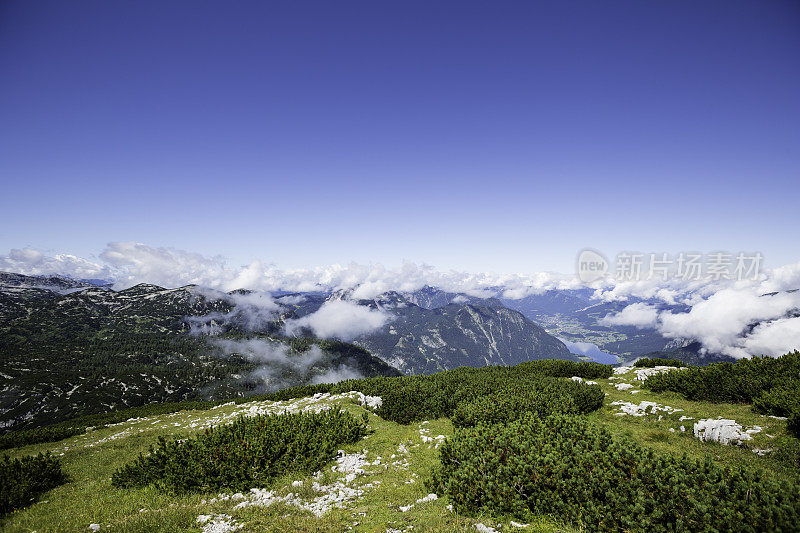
376, 485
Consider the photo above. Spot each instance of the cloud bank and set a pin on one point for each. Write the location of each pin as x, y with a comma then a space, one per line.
729, 317
738, 321
129, 263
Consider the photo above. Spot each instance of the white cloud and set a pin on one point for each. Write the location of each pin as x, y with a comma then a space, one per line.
34, 263
168, 267
638, 314
772, 338
279, 367
720, 322
130, 263
335, 375
340, 319
266, 351
252, 311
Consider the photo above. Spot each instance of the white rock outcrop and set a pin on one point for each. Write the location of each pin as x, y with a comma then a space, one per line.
723, 431
643, 408
644, 373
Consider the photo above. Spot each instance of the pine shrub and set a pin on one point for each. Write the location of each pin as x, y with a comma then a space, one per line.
546, 397
565, 467
739, 382
410, 399
23, 480
248, 453
779, 401
771, 384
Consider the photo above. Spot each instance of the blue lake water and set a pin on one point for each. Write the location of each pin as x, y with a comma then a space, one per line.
591, 350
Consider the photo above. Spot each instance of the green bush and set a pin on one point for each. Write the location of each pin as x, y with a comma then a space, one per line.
739, 382
793, 424
409, 399
23, 480
565, 467
546, 397
248, 453
658, 361
779, 401
17, 439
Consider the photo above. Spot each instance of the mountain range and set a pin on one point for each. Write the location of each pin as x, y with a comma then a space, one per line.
71, 347
474, 332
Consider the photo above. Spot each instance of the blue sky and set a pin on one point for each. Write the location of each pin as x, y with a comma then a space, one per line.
499, 136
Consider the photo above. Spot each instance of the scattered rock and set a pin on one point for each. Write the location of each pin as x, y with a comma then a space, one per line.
723, 431
642, 409
429, 498
220, 523
644, 373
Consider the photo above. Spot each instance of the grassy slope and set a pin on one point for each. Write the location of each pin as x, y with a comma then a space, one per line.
89, 498
651, 432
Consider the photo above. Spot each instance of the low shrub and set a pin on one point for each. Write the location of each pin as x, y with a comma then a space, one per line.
658, 361
771, 384
23, 480
565, 467
409, 399
793, 424
248, 453
739, 382
779, 401
546, 397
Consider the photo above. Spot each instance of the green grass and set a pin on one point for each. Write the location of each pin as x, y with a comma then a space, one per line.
654, 433
91, 458
89, 497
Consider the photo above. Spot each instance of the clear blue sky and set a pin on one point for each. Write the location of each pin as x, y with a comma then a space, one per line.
496, 136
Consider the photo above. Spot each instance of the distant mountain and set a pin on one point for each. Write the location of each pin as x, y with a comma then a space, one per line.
433, 298
422, 341
53, 283
572, 315
91, 349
